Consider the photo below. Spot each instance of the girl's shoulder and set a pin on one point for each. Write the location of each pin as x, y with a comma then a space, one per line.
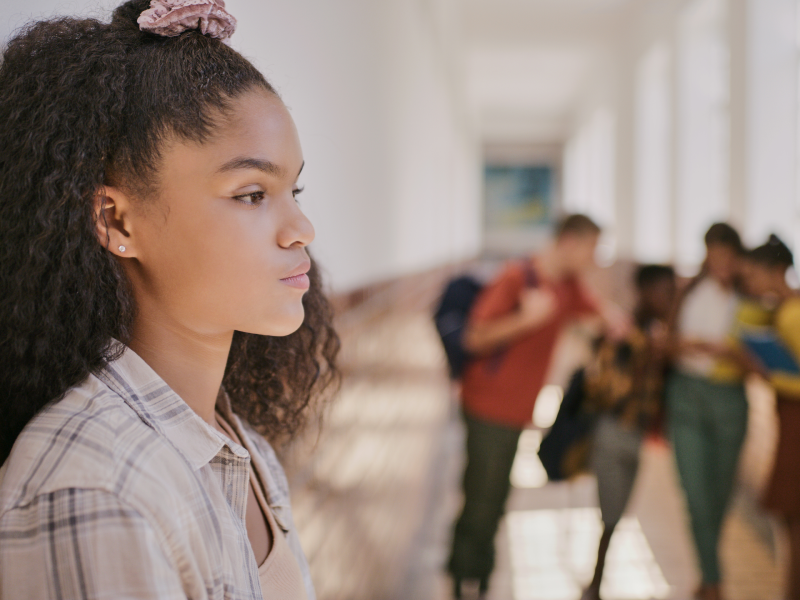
116, 432
89, 439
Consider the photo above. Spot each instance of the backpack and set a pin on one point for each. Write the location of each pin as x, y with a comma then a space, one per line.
453, 312
451, 317
565, 449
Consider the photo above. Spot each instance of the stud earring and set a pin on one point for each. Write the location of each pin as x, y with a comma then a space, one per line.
122, 248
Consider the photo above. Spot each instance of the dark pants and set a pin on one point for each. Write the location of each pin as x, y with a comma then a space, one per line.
707, 424
490, 455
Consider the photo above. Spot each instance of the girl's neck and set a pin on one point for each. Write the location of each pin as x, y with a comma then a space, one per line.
192, 364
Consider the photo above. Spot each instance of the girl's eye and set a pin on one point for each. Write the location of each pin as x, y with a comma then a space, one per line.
297, 191
251, 199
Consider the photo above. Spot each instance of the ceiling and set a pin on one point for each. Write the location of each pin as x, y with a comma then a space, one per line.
528, 62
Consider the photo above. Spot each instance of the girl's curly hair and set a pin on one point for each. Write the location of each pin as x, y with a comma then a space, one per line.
82, 104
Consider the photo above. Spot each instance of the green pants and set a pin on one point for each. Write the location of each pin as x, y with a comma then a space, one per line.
707, 424
490, 454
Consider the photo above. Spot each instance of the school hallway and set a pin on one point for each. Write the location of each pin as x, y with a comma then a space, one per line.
376, 503
439, 134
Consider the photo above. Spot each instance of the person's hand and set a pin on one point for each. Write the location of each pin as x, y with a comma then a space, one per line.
618, 323
715, 349
537, 306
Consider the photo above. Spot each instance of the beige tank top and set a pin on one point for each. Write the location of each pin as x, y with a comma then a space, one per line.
279, 574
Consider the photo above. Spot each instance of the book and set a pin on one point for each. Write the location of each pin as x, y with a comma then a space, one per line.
773, 353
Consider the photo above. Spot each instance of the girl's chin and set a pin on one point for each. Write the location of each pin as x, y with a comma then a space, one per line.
283, 327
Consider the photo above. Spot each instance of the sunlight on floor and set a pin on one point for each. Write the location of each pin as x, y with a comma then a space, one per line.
527, 471
553, 554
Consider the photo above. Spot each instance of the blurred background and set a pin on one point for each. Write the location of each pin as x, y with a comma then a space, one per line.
443, 135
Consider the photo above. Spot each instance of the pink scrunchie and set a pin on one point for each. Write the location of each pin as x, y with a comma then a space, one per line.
172, 17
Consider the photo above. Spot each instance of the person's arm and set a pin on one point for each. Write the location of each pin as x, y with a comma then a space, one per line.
79, 543
617, 322
601, 314
730, 350
536, 308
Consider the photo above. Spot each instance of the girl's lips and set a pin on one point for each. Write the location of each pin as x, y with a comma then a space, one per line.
297, 281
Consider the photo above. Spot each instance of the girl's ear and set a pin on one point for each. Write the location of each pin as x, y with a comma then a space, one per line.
113, 223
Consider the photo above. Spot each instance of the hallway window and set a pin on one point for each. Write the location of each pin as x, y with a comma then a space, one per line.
589, 169
589, 176
653, 161
703, 126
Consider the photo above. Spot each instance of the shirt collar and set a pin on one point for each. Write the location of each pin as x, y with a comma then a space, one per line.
162, 409
276, 497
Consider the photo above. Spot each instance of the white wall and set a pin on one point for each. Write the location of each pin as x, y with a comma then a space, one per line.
435, 178
392, 165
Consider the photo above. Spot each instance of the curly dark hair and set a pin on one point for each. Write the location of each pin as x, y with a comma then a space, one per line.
85, 104
773, 255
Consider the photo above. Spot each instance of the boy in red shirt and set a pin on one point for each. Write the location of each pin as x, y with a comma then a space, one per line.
512, 331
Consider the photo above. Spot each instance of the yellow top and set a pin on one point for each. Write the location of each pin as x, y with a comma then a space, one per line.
787, 326
748, 314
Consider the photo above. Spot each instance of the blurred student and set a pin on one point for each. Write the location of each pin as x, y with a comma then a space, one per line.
512, 331
766, 278
706, 403
624, 385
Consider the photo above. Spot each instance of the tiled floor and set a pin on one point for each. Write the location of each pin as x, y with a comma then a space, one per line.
376, 493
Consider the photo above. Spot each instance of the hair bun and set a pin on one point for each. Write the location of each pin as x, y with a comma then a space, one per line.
773, 254
774, 240
171, 18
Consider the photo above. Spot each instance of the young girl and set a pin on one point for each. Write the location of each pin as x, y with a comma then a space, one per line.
159, 313
623, 387
767, 279
705, 397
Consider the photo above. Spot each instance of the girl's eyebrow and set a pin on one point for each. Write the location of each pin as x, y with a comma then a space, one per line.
244, 162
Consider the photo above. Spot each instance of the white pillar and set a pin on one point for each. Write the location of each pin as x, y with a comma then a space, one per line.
703, 126
772, 120
653, 156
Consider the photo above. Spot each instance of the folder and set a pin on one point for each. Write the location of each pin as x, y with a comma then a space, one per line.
773, 353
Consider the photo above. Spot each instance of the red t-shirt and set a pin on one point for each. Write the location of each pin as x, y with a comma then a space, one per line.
502, 387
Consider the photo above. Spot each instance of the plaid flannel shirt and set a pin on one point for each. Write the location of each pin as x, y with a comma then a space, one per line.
121, 491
